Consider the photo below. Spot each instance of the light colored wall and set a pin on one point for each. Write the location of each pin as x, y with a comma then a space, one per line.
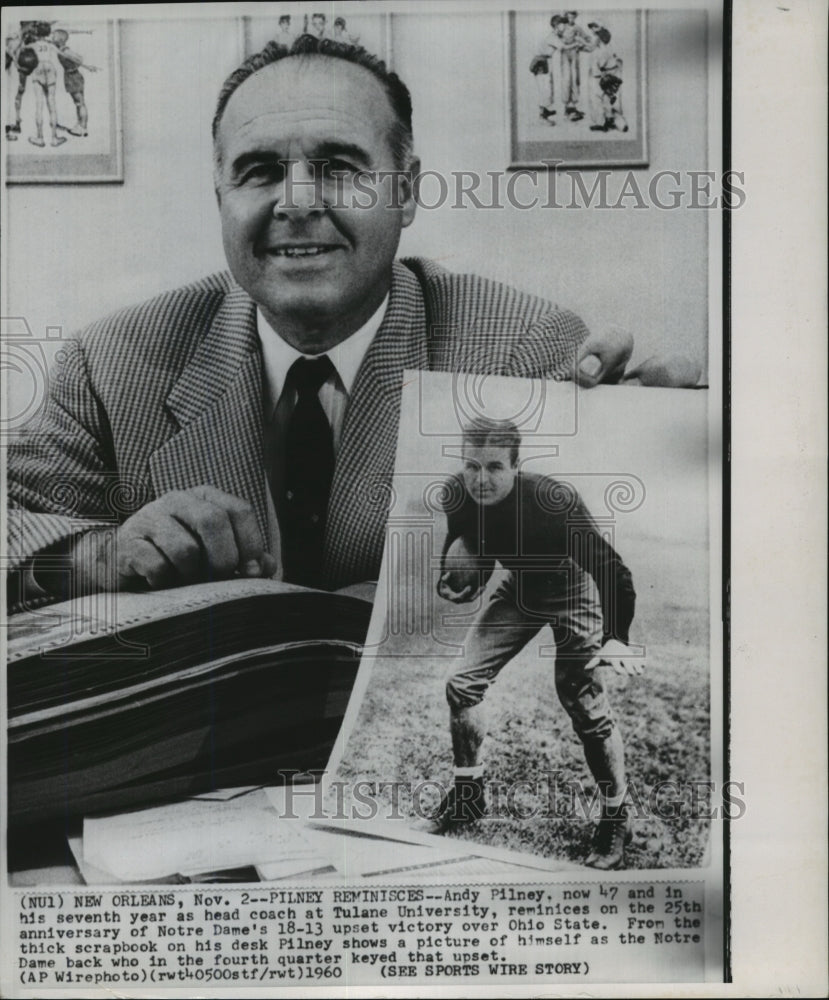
80, 251
642, 269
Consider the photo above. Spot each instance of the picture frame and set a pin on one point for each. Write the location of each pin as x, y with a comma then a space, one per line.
577, 89
79, 139
371, 31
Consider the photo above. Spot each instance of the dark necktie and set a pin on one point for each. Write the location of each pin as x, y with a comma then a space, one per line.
309, 469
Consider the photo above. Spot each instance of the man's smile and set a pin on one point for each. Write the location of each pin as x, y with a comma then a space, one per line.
301, 253
303, 250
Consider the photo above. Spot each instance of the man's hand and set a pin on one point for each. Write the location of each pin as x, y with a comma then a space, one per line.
602, 357
186, 536
669, 370
619, 656
456, 596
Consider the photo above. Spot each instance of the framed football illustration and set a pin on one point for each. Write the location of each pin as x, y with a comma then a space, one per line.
578, 86
63, 121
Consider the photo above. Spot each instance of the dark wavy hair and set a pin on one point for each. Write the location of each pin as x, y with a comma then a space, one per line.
482, 432
308, 46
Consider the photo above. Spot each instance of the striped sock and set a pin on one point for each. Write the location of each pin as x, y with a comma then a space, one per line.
468, 773
614, 801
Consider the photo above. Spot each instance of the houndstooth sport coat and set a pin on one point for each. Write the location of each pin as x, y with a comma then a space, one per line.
168, 395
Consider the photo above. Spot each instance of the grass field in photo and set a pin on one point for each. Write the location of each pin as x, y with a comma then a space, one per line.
402, 734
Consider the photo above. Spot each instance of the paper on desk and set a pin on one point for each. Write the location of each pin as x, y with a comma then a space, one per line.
455, 867
194, 836
95, 876
272, 871
358, 855
225, 794
89, 873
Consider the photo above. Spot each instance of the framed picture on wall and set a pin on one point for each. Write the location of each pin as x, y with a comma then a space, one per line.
289, 20
577, 89
62, 110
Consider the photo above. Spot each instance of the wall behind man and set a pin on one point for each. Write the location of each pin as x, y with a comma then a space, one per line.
644, 269
79, 251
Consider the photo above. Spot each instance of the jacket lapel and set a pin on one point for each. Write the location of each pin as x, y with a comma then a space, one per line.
217, 403
361, 490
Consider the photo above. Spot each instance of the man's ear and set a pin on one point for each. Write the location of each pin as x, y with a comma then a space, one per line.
217, 175
407, 189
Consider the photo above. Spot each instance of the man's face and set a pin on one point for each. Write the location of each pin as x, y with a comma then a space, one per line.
318, 21
312, 255
488, 474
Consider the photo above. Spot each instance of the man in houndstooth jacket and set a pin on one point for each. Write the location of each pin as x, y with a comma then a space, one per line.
150, 464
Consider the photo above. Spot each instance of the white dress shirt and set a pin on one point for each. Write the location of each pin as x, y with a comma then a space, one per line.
277, 358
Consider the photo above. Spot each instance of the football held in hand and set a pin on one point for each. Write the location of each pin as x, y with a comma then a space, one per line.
465, 573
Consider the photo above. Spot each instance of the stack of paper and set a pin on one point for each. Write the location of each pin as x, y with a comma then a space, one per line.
202, 836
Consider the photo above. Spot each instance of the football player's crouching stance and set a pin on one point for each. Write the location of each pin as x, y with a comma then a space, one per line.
558, 570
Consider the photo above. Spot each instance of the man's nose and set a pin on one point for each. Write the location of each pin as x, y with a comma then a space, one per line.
301, 192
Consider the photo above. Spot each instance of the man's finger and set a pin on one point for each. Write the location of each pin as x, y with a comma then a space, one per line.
669, 371
631, 668
456, 596
589, 370
603, 357
211, 524
180, 548
613, 375
593, 663
141, 563
248, 538
268, 565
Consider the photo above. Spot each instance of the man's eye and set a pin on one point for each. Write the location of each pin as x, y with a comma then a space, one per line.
337, 167
264, 173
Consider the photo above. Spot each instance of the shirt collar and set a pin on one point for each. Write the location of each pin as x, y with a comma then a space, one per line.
278, 355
